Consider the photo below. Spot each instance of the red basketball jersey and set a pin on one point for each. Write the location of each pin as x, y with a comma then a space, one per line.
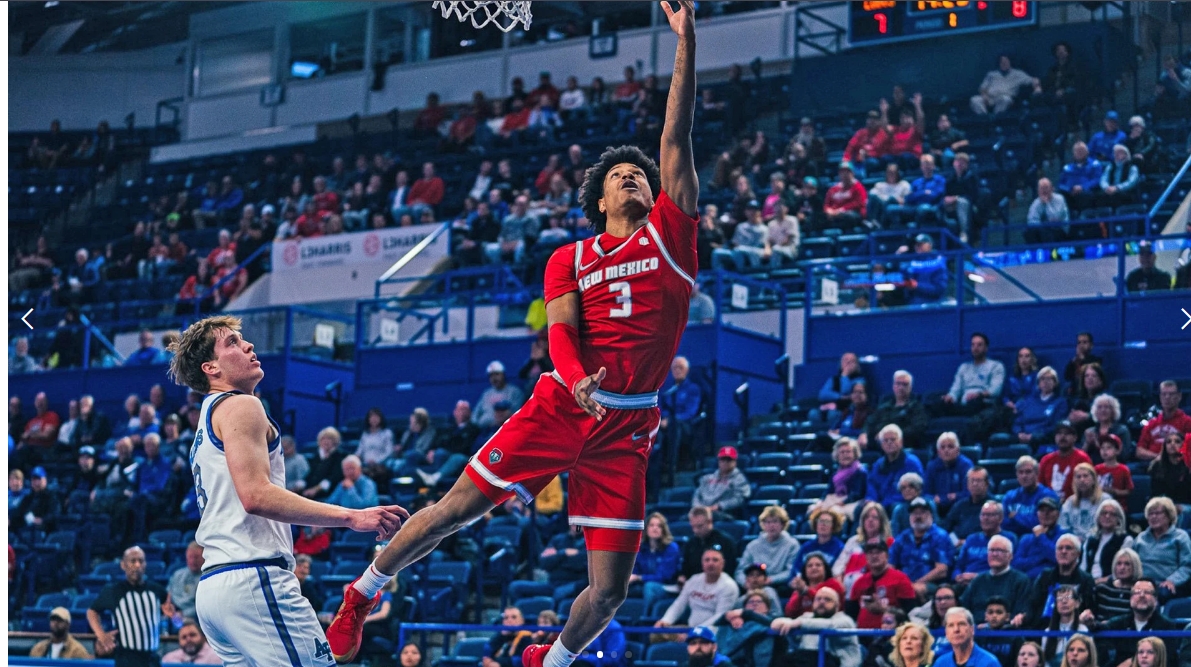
635, 293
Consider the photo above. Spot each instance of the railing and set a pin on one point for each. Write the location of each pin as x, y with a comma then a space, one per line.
198, 300
1169, 189
387, 276
816, 32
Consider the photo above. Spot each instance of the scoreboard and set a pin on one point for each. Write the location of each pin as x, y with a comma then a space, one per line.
872, 22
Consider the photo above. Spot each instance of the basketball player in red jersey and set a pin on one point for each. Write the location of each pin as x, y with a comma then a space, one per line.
616, 306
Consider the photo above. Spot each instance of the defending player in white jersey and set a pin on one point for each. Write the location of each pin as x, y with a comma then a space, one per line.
248, 601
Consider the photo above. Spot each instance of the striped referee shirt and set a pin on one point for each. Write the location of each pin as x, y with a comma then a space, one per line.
137, 611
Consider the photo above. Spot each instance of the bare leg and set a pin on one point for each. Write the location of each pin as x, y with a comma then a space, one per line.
593, 609
425, 529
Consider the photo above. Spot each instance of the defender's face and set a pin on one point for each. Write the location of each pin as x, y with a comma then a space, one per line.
626, 189
236, 359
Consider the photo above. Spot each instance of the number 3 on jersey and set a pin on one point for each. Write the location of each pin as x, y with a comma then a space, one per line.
625, 299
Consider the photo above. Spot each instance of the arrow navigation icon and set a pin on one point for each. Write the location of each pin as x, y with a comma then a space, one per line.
26, 320
1188, 318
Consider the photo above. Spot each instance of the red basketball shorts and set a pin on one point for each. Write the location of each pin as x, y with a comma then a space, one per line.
606, 459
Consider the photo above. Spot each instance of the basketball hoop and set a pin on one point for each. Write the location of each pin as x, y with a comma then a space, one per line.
504, 15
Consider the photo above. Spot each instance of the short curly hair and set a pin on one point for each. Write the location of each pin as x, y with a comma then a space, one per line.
592, 189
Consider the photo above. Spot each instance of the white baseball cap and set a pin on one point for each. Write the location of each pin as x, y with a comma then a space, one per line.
496, 367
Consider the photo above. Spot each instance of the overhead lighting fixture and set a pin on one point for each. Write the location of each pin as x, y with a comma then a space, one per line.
51, 3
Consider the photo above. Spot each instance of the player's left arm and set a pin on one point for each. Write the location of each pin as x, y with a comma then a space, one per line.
679, 179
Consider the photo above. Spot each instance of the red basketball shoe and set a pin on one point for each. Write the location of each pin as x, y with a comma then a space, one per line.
534, 655
347, 630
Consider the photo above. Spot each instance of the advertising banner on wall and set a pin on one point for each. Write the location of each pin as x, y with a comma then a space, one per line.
373, 246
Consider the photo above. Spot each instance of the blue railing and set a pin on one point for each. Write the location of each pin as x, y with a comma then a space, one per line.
1169, 189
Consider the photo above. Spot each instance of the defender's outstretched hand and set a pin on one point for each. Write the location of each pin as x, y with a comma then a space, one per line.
585, 388
682, 21
384, 520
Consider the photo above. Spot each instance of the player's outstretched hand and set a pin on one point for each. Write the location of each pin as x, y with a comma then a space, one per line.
585, 388
682, 21
384, 520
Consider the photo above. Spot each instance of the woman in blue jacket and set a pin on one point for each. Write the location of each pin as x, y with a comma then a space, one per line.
1039, 413
657, 560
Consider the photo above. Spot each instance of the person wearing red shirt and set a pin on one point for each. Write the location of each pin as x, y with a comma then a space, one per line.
42, 430
846, 201
905, 139
1172, 419
869, 144
545, 87
234, 285
553, 166
431, 117
625, 93
516, 120
881, 587
225, 247
1115, 477
426, 192
325, 201
309, 225
1056, 468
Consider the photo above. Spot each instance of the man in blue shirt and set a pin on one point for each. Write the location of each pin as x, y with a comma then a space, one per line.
1080, 181
924, 551
356, 491
973, 553
146, 353
1102, 142
961, 635
925, 277
684, 397
946, 474
154, 486
887, 471
1037, 548
1020, 503
926, 193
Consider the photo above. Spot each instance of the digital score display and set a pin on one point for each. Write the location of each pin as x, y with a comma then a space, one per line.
872, 22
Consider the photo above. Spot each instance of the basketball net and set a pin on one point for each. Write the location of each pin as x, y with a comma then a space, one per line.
503, 15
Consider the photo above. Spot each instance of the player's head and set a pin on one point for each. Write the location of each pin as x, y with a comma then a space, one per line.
622, 183
211, 352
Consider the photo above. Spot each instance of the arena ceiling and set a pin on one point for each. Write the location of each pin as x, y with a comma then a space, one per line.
85, 27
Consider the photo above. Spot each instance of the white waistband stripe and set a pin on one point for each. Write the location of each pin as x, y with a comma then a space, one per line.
595, 522
617, 401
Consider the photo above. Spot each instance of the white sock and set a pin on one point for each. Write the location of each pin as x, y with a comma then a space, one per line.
559, 656
370, 583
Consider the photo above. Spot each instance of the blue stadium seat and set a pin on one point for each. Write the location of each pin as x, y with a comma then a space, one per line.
778, 459
531, 607
667, 652
630, 610
766, 476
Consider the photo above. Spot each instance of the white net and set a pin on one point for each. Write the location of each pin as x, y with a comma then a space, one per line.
504, 15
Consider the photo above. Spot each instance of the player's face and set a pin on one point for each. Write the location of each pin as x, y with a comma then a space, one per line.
237, 360
626, 191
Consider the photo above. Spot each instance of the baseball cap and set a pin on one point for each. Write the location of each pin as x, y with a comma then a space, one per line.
1065, 425
845, 165
924, 238
1145, 248
806, 120
1112, 115
703, 633
753, 203
811, 181
919, 502
61, 613
502, 405
874, 114
87, 450
38, 472
268, 209
755, 567
1048, 501
879, 545
728, 452
496, 367
173, 217
1110, 437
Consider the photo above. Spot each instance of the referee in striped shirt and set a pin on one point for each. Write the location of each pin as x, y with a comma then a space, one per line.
138, 606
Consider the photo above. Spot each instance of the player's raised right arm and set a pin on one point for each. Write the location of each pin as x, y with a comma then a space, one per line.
241, 424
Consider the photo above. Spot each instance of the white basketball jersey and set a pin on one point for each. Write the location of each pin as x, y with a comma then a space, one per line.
227, 533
